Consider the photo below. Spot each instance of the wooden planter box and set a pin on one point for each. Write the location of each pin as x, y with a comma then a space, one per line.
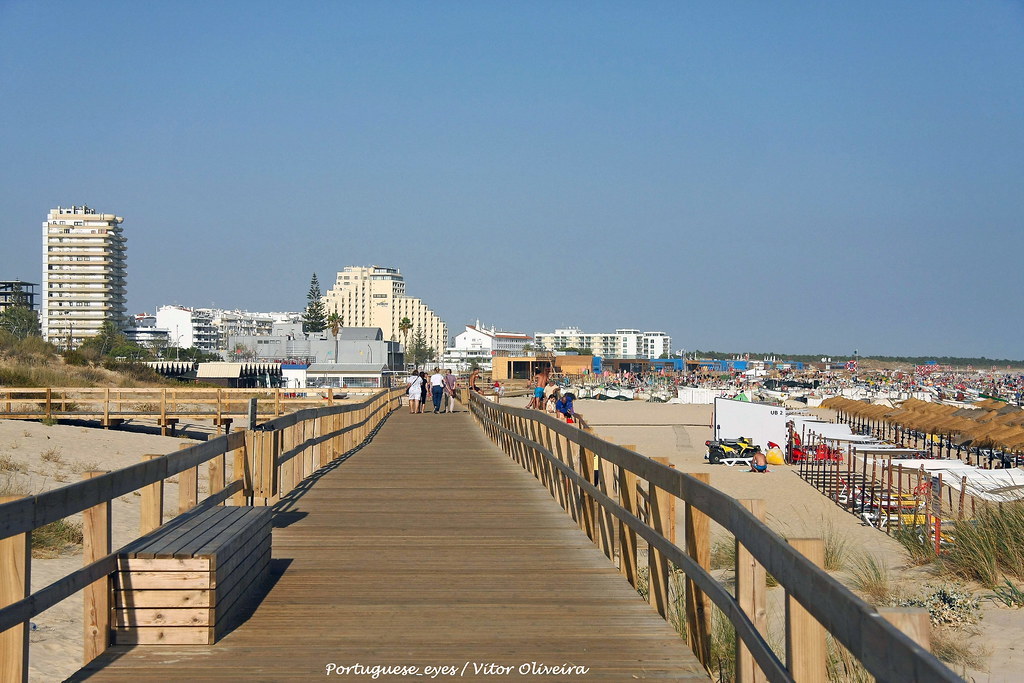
184, 583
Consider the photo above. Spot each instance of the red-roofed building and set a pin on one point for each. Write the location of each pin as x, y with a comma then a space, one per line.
480, 343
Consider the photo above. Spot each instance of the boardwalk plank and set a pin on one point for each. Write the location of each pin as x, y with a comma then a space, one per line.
428, 547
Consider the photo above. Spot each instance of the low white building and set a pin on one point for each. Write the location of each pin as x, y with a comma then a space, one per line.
142, 330
346, 375
623, 343
479, 344
188, 327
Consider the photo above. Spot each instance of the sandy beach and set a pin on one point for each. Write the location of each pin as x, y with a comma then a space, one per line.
37, 457
794, 509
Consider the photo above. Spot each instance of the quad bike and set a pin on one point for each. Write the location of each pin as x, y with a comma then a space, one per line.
742, 447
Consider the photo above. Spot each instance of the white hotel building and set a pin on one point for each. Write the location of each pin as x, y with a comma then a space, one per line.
374, 296
84, 274
623, 343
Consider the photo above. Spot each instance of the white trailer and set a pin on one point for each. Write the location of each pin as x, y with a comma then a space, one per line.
759, 421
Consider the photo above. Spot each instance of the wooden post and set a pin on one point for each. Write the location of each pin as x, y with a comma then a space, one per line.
805, 638
188, 486
698, 605
606, 479
151, 506
751, 589
241, 468
657, 564
15, 573
627, 537
586, 470
216, 475
913, 621
96, 596
163, 412
271, 452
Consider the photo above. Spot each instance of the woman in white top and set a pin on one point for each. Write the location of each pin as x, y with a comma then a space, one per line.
415, 392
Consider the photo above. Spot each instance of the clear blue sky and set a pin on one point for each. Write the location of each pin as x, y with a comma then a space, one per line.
790, 176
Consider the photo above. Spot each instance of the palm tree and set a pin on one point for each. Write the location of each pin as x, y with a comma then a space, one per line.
405, 326
334, 322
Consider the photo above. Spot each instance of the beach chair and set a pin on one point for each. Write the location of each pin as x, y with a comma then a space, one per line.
732, 462
902, 519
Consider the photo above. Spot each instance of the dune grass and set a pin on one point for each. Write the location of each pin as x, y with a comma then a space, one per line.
988, 547
836, 545
57, 538
871, 576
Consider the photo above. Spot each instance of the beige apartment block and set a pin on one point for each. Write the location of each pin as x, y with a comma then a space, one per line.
84, 256
374, 296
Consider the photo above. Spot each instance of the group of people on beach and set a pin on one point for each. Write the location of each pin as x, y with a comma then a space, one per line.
548, 396
442, 389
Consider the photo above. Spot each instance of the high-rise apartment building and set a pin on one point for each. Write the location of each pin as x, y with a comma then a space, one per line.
375, 297
84, 274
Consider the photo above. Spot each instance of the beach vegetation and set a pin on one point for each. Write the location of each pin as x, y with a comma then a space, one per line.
56, 538
989, 547
9, 464
723, 554
52, 455
919, 547
871, 576
947, 604
1009, 595
836, 545
843, 667
723, 647
11, 485
958, 650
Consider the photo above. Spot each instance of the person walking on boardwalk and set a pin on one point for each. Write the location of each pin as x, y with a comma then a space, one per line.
437, 389
450, 390
423, 392
472, 380
415, 392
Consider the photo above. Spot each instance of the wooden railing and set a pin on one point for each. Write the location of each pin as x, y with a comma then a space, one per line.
167, 405
619, 497
267, 463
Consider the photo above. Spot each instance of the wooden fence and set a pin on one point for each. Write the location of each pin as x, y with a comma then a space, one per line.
266, 464
166, 405
621, 498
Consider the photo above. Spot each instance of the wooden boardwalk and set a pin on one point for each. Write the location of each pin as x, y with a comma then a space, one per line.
428, 547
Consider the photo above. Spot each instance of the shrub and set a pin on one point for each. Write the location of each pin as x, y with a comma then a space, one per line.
9, 464
52, 455
75, 357
947, 605
56, 538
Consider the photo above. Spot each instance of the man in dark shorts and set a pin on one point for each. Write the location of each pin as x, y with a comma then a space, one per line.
758, 462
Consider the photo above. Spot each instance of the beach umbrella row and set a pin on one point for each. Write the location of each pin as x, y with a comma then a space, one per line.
990, 423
